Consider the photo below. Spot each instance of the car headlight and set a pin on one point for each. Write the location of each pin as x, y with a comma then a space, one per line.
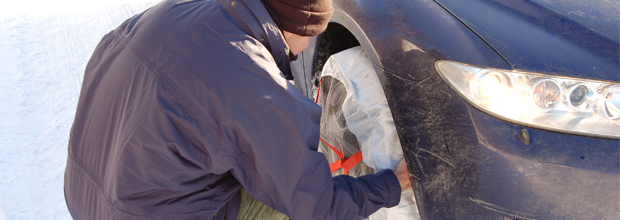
557, 103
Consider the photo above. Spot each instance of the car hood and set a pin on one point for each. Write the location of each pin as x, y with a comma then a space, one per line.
572, 38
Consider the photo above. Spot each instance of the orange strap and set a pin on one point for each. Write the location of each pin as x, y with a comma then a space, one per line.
345, 163
318, 91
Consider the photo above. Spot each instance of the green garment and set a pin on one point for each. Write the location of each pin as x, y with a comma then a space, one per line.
252, 209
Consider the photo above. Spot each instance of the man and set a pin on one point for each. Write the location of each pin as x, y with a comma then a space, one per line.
186, 103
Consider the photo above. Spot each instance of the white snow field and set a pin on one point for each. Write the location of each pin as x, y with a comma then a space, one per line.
44, 48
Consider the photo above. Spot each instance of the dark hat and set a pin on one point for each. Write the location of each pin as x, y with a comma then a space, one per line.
301, 17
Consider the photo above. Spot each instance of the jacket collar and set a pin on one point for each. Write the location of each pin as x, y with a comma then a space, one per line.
255, 20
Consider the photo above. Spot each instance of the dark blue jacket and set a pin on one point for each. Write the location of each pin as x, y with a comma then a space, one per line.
186, 103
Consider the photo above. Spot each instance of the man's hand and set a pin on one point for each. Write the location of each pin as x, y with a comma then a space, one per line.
403, 176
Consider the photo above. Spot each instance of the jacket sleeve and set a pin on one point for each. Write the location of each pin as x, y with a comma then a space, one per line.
272, 132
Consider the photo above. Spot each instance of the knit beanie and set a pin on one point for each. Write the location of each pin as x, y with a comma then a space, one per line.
301, 17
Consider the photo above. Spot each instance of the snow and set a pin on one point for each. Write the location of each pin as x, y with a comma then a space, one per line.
44, 48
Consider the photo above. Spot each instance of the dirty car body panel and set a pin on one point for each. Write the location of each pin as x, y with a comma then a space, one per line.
465, 163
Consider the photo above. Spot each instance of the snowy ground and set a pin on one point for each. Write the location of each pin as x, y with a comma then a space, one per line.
44, 48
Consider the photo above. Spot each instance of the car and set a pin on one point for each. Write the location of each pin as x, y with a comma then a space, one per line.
504, 109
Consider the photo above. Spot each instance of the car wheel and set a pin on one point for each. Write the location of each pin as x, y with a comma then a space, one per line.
356, 120
337, 142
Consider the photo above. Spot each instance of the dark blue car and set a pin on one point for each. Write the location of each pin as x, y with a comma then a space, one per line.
505, 109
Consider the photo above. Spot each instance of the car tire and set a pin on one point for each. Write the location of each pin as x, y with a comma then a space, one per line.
356, 118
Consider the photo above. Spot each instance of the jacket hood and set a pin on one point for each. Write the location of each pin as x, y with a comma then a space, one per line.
573, 38
257, 22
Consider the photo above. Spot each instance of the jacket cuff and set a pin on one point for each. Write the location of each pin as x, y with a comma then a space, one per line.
393, 186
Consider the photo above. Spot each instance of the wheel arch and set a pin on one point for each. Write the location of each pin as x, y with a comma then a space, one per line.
342, 18
342, 33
